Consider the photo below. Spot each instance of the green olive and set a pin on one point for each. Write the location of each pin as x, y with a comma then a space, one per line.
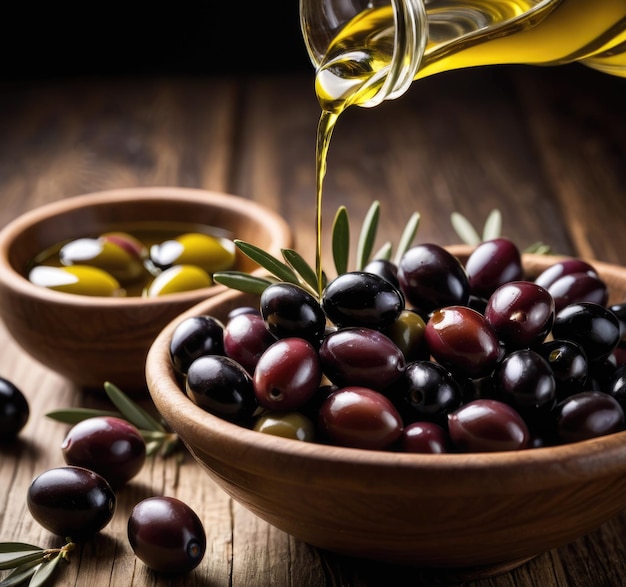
105, 253
407, 331
177, 279
211, 253
77, 279
286, 424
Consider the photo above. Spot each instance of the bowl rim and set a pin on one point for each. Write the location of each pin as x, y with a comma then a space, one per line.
539, 468
13, 279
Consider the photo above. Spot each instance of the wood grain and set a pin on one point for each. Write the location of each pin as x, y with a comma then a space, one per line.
546, 146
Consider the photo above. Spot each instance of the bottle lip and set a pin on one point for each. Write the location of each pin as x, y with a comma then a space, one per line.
410, 38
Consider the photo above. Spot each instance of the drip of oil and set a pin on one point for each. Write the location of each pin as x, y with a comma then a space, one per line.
461, 34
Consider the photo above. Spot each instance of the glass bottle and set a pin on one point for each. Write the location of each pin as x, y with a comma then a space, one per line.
367, 51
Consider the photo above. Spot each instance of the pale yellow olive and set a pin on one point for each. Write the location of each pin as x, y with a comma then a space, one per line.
77, 279
177, 279
208, 252
288, 424
106, 253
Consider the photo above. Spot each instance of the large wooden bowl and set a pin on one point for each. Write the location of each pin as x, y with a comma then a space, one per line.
477, 513
91, 340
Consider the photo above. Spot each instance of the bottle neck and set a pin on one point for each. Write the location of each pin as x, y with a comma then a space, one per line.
361, 58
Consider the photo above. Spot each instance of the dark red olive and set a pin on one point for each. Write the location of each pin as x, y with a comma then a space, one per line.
166, 535
485, 425
246, 338
521, 313
71, 501
359, 417
565, 267
287, 374
112, 447
431, 277
361, 356
462, 340
424, 437
491, 264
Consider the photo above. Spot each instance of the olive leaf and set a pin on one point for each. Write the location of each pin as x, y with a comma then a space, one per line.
242, 281
268, 261
464, 229
31, 563
367, 235
301, 267
493, 225
341, 240
384, 252
408, 236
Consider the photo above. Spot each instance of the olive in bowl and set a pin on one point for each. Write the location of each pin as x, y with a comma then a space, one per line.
479, 513
90, 339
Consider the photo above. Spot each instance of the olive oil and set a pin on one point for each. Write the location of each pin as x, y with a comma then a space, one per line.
460, 34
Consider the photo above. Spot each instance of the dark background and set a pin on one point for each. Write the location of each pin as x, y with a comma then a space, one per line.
170, 38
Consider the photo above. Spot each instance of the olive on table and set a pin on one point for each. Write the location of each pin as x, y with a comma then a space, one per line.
166, 535
110, 446
71, 501
14, 410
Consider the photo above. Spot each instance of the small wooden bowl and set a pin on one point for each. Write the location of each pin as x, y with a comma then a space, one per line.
91, 340
478, 514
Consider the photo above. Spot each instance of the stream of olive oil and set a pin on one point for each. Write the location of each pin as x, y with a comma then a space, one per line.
463, 33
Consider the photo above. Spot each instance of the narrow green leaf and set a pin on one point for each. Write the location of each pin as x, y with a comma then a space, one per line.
464, 229
384, 252
242, 281
301, 267
17, 547
10, 560
75, 415
493, 225
20, 575
132, 412
367, 235
267, 261
341, 240
407, 237
44, 572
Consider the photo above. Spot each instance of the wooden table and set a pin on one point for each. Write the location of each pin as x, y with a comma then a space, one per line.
545, 146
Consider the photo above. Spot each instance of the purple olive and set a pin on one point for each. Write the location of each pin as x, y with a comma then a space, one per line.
166, 535
112, 447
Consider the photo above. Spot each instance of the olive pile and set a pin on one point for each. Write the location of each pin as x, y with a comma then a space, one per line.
103, 453
431, 355
119, 263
